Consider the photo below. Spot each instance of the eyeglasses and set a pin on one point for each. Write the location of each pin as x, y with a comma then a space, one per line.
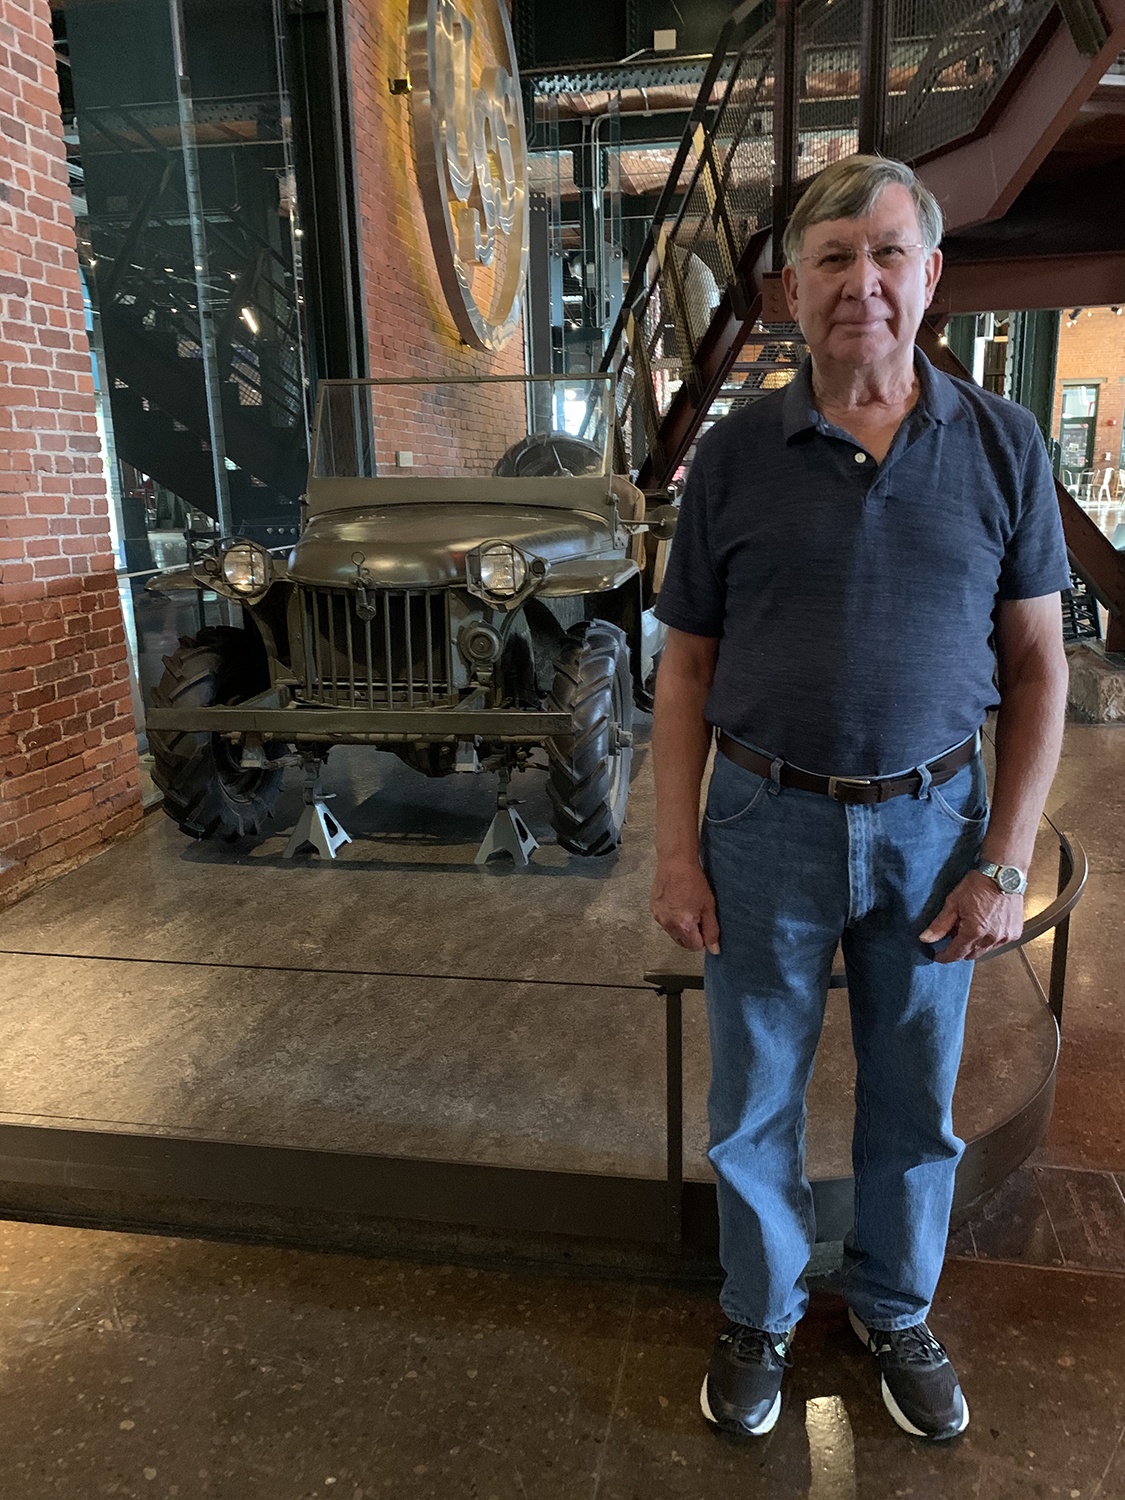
841, 258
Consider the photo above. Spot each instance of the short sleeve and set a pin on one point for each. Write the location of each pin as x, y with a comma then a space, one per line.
1035, 562
692, 597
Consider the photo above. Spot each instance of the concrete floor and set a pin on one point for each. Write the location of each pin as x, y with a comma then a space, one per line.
135, 1365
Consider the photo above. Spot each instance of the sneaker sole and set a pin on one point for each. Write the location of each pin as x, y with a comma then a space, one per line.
892, 1405
767, 1424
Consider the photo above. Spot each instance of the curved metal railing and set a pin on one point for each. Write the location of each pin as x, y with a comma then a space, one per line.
988, 1158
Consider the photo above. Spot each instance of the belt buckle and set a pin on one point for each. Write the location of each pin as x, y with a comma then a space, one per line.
835, 782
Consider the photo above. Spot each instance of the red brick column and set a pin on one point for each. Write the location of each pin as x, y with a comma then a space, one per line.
68, 755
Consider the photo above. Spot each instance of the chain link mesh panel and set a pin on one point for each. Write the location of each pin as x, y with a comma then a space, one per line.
828, 33
948, 61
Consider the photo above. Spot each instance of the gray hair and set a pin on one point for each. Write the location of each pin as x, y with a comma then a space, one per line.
848, 190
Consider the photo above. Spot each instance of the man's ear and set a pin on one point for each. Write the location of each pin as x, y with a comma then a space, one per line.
933, 275
789, 284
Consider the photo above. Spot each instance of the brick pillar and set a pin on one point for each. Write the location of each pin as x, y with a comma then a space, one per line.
68, 754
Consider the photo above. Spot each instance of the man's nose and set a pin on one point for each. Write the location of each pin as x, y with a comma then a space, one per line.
861, 279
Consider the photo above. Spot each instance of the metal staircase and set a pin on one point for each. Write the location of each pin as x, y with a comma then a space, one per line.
931, 81
148, 291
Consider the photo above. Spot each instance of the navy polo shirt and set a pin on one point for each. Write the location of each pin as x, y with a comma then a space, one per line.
853, 600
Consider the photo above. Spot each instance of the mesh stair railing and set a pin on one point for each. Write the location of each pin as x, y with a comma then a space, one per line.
778, 103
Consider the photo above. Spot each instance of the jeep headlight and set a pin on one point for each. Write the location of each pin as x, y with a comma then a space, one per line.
503, 576
246, 567
503, 570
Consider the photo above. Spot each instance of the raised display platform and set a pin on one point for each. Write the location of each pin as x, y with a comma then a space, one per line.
210, 1036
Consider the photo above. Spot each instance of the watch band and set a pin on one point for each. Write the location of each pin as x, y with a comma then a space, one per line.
1008, 878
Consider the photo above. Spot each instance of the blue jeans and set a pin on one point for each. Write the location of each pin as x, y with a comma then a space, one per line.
795, 874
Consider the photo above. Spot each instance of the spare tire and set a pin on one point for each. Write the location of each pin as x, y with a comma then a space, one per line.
542, 455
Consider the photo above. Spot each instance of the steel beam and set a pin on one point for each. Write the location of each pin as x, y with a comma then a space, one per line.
1030, 283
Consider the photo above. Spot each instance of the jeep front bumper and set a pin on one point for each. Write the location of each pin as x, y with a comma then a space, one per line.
362, 725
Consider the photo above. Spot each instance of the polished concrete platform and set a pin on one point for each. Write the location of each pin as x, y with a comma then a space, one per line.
403, 1001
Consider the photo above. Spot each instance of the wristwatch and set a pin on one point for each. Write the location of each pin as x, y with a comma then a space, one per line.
1010, 878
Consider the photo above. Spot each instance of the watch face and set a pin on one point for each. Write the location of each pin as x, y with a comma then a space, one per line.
1009, 879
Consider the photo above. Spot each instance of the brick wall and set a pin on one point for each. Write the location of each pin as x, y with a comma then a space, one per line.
410, 330
1094, 350
68, 756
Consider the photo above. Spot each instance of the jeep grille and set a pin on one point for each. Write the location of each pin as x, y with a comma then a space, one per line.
398, 658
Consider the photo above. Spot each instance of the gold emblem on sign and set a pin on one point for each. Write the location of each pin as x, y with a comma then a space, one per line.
471, 153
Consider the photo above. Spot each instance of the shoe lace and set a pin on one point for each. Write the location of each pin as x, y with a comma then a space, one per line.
754, 1346
911, 1346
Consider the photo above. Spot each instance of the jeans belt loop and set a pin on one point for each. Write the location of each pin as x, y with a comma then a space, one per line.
923, 792
775, 774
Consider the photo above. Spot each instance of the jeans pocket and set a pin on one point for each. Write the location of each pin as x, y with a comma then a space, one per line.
964, 797
733, 794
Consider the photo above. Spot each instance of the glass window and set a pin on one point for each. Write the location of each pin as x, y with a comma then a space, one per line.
1077, 427
1080, 400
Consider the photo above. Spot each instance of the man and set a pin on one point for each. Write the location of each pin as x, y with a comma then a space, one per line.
867, 562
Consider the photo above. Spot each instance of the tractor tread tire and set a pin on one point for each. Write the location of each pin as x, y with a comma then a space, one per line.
205, 793
587, 807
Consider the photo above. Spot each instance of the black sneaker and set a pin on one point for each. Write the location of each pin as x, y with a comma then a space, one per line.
920, 1387
742, 1389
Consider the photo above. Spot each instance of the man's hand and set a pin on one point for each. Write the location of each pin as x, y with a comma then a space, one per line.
977, 917
683, 904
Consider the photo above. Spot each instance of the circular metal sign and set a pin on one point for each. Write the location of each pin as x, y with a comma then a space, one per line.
471, 153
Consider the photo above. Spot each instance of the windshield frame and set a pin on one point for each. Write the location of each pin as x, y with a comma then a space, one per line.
362, 450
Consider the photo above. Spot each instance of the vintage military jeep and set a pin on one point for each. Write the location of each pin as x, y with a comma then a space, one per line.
471, 581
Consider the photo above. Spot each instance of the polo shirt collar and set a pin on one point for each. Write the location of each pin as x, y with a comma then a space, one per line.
937, 397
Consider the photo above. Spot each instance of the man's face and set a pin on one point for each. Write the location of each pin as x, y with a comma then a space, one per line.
863, 285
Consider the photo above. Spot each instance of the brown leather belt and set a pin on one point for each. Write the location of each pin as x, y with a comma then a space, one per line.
852, 789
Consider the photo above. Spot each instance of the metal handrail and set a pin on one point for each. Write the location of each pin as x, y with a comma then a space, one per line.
671, 984
1074, 869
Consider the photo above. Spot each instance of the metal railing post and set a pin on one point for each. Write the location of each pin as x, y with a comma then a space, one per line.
785, 101
674, 1071
1061, 940
198, 230
874, 54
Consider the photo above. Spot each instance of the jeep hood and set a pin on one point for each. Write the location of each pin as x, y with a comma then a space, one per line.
423, 546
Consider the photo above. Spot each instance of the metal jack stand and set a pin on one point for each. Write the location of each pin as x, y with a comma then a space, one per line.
316, 828
507, 833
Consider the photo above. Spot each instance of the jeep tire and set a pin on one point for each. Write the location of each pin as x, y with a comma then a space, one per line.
205, 789
588, 769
